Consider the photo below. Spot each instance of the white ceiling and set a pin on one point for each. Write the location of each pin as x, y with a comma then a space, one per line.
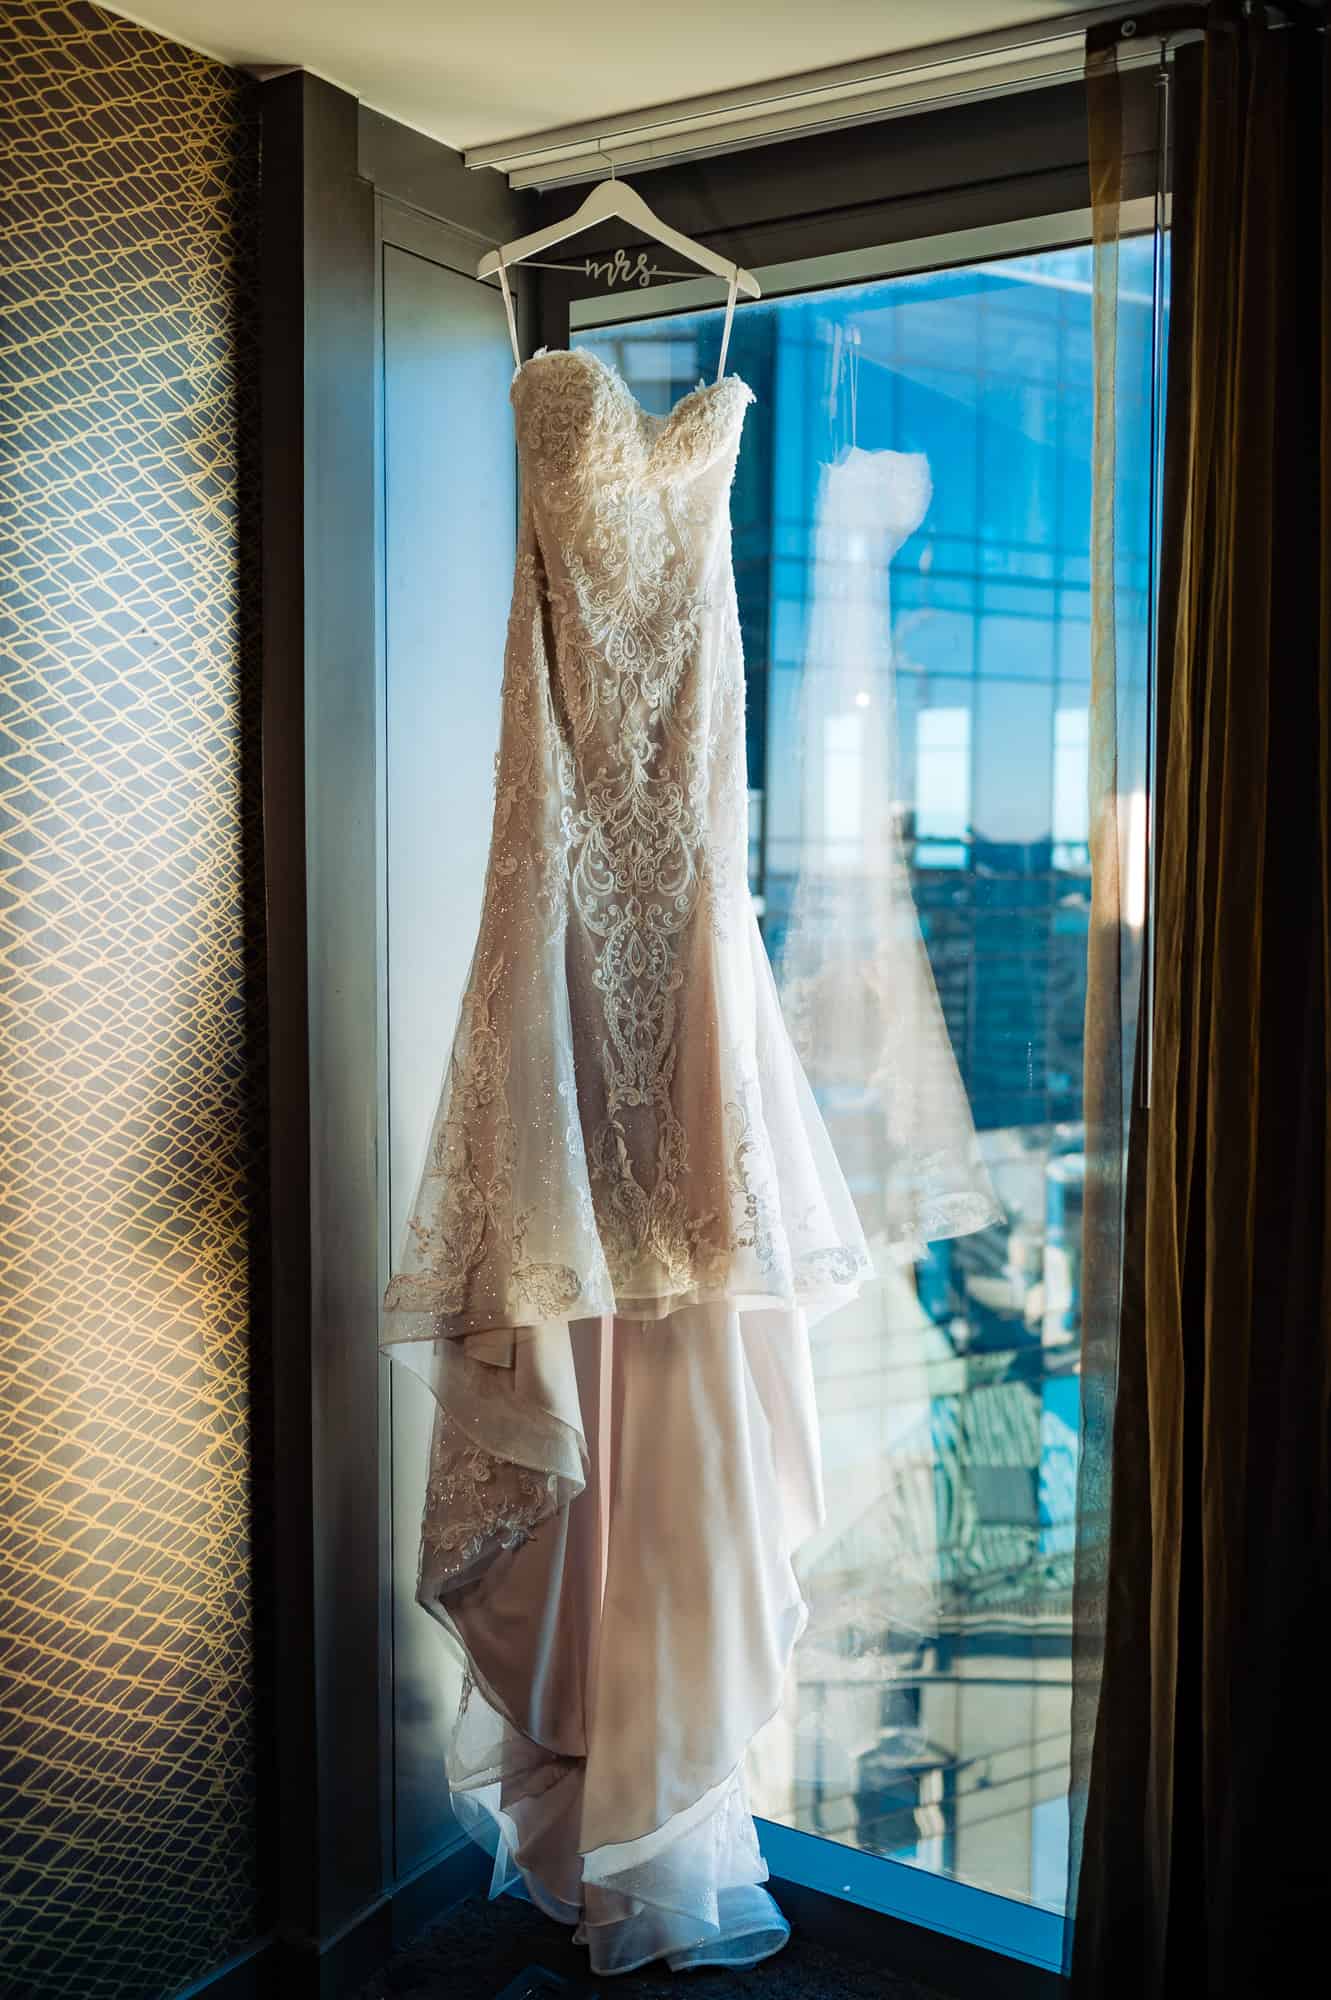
473, 73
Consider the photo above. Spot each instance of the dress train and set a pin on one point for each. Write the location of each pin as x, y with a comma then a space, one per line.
625, 1649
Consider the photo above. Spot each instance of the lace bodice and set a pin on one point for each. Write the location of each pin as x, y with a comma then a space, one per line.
581, 430
628, 528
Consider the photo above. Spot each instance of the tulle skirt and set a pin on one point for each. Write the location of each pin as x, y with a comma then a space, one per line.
627, 1606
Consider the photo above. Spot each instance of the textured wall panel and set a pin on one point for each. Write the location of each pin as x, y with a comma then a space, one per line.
130, 1032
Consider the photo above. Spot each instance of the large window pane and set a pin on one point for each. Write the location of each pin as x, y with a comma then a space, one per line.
927, 1716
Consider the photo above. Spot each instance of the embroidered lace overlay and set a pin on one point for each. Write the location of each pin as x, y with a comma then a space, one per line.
623, 1126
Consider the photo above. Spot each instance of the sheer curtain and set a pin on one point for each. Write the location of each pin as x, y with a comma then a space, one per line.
1127, 336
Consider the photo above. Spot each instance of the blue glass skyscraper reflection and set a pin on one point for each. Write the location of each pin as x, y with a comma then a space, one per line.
929, 1718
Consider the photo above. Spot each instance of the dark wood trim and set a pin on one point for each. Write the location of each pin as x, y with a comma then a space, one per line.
321, 845
285, 1406
306, 1968
327, 1734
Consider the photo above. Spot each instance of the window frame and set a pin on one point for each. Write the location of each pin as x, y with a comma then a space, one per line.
989, 1929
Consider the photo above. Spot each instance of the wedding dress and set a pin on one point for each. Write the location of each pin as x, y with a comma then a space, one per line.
628, 1211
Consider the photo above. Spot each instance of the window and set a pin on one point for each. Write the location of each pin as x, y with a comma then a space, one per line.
927, 1719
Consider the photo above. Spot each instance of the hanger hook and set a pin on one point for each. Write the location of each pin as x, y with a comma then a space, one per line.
609, 159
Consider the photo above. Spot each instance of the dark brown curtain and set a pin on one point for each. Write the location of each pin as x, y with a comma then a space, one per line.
1206, 1860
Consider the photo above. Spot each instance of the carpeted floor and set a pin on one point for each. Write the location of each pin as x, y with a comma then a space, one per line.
481, 1947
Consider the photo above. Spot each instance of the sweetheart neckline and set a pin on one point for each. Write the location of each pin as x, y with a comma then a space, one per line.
608, 369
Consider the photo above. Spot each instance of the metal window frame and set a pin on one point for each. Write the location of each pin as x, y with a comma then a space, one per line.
1030, 1938
987, 243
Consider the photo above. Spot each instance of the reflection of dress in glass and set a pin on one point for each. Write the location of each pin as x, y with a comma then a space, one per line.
628, 1207
858, 991
856, 984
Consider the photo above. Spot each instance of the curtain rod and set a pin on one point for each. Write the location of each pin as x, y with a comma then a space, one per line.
1000, 61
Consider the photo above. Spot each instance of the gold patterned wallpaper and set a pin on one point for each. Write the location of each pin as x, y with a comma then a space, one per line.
130, 1019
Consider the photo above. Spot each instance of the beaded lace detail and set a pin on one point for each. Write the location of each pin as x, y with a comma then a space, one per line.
475, 1505
606, 1134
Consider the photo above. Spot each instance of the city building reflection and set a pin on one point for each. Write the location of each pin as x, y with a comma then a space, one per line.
928, 1714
